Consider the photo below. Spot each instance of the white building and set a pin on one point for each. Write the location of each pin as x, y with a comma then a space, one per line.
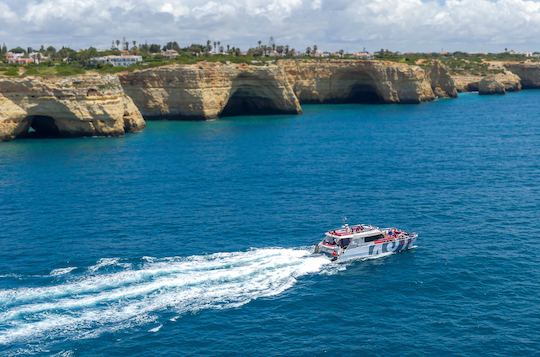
118, 61
169, 54
362, 55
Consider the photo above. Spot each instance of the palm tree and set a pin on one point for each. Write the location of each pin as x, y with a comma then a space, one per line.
259, 42
117, 43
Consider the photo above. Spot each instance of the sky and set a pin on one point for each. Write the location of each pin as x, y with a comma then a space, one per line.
401, 25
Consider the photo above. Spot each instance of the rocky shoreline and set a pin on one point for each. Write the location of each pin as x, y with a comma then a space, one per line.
112, 105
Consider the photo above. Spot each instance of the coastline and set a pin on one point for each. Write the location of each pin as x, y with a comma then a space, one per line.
95, 104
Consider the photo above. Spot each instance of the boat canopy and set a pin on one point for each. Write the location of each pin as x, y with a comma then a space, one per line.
357, 231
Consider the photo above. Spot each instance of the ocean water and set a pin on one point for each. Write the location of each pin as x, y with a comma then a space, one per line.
194, 238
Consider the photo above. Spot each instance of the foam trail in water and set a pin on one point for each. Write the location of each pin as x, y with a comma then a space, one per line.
62, 271
104, 302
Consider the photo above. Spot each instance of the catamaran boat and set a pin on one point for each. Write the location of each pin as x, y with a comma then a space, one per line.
364, 241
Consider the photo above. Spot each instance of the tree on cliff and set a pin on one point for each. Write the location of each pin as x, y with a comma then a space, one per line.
50, 51
172, 46
17, 50
3, 49
154, 48
66, 54
84, 56
195, 49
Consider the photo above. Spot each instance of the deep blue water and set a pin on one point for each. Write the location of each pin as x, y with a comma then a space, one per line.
193, 238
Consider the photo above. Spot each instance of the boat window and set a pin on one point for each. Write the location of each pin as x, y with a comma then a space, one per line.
329, 240
344, 243
373, 238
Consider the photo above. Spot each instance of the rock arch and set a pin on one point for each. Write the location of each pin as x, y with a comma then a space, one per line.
259, 94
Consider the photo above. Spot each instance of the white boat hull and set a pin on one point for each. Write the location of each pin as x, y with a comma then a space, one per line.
375, 249
368, 250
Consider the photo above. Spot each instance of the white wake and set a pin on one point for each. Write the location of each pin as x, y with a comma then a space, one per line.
100, 302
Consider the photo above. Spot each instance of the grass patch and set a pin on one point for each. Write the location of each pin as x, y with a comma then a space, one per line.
12, 71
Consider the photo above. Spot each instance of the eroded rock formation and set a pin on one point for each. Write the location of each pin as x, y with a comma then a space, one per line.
467, 82
529, 73
209, 90
499, 83
88, 105
442, 83
339, 81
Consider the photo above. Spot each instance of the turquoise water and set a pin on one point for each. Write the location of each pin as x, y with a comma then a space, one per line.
194, 238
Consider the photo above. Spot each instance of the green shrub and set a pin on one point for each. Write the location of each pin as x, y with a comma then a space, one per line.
69, 70
11, 71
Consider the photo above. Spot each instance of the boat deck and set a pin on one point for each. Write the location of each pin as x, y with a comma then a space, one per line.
350, 231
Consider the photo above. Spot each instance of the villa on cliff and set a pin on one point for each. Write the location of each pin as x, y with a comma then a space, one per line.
21, 59
18, 58
170, 54
118, 61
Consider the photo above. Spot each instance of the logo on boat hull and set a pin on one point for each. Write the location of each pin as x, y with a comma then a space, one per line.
390, 247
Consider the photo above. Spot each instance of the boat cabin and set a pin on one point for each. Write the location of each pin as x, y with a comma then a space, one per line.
359, 234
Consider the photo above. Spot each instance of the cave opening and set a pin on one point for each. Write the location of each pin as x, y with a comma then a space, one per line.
246, 101
357, 87
363, 94
42, 126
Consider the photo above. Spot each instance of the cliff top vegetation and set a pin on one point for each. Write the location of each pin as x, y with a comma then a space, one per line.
49, 61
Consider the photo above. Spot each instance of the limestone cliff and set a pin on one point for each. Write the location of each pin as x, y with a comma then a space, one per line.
442, 83
88, 105
209, 90
466, 82
339, 81
499, 83
529, 73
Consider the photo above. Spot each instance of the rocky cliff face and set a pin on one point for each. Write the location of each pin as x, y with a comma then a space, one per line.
357, 82
467, 82
529, 73
209, 90
499, 83
89, 105
442, 83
